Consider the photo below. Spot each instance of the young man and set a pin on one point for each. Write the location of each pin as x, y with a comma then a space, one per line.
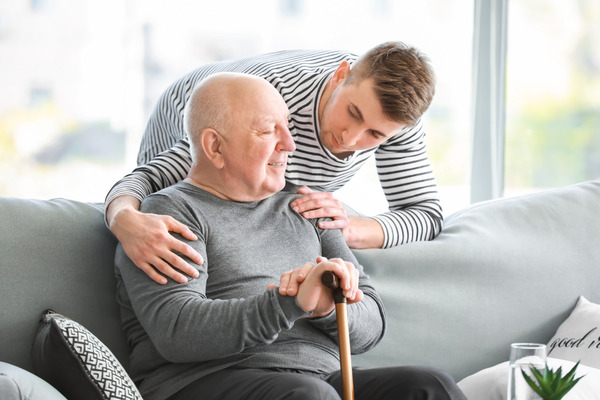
342, 111
230, 333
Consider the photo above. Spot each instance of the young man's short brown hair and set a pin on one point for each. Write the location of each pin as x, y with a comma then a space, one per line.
404, 81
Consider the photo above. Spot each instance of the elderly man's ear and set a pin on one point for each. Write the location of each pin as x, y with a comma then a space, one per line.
212, 145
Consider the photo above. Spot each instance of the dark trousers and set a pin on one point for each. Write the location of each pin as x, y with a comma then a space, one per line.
397, 383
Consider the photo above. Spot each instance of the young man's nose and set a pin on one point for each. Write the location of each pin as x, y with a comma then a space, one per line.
349, 137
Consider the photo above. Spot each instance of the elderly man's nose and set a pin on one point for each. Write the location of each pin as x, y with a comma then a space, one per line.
286, 142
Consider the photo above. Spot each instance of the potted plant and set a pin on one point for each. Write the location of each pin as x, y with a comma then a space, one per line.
550, 384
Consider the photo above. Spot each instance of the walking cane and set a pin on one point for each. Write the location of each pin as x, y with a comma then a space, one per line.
330, 280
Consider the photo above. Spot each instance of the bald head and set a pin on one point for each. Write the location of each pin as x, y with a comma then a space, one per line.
217, 101
238, 129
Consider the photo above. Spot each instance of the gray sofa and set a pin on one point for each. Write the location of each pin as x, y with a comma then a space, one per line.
501, 271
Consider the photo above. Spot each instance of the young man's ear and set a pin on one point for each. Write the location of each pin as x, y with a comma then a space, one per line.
211, 143
340, 74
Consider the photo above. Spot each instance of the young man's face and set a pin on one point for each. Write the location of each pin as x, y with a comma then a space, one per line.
257, 155
353, 120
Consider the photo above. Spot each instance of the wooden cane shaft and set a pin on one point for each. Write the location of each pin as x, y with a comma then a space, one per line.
345, 357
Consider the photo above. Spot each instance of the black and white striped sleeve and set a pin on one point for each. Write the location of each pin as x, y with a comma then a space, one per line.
166, 169
409, 185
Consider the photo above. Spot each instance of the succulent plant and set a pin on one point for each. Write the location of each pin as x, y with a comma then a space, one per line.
550, 384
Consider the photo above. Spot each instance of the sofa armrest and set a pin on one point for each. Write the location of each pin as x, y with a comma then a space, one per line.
56, 254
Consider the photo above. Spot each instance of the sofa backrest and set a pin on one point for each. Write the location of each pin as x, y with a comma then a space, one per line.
55, 254
503, 271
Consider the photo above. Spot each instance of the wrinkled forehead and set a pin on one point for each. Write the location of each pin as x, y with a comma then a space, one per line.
254, 116
261, 103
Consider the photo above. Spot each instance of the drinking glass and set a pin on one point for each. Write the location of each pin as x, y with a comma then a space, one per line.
523, 356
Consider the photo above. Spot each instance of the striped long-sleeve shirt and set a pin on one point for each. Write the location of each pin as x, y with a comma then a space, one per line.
300, 76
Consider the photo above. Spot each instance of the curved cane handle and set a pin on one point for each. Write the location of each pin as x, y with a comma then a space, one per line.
330, 280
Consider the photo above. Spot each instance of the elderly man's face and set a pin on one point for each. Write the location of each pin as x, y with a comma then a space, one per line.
259, 143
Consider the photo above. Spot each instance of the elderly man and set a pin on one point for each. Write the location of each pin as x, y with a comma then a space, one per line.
230, 333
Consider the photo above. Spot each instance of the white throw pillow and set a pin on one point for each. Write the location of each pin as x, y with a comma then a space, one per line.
578, 338
491, 383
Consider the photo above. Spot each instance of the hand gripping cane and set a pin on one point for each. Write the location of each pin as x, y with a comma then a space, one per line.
330, 280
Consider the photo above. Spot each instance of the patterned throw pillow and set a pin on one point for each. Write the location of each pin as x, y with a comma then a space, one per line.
77, 363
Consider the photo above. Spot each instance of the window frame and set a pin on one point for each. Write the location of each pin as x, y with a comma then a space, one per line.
488, 118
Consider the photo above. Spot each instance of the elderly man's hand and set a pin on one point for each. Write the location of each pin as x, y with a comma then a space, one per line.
305, 283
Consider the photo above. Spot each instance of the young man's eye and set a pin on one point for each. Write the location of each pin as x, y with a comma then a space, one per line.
352, 113
376, 134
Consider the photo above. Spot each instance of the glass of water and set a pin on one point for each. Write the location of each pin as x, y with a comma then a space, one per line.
524, 356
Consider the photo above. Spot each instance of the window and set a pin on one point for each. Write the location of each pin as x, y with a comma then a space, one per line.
79, 81
39, 96
41, 5
553, 94
107, 62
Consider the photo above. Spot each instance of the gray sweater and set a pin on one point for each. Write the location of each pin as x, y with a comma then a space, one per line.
180, 332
